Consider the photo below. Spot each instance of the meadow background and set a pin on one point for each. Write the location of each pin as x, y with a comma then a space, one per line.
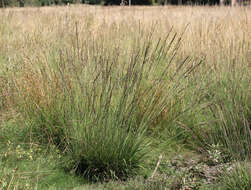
135, 97
35, 3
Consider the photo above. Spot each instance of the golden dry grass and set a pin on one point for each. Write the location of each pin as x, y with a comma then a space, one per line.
219, 35
214, 32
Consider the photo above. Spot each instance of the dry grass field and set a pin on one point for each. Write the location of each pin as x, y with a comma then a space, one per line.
92, 93
211, 31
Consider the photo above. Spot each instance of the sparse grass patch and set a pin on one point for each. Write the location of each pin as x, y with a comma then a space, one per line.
27, 165
237, 179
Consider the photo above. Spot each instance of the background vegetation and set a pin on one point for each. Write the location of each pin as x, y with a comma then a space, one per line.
22, 3
98, 97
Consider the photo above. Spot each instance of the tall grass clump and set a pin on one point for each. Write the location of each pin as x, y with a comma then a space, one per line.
223, 119
95, 100
232, 129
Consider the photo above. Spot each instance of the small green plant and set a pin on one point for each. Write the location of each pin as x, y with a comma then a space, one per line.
215, 154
